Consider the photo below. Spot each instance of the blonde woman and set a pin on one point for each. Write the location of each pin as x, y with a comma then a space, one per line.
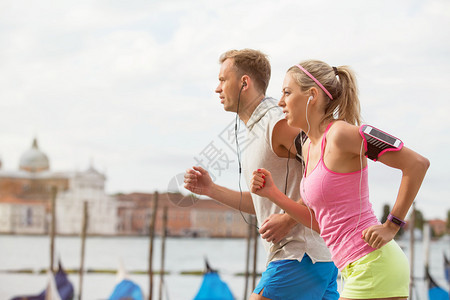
323, 102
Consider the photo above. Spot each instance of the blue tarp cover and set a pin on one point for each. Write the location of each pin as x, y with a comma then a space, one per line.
213, 288
127, 289
437, 293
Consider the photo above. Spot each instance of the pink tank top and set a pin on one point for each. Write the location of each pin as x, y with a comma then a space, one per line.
341, 204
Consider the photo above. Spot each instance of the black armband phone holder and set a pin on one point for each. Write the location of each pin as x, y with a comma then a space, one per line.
377, 142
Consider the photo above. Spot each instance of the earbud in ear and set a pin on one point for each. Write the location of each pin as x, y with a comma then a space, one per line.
309, 99
244, 83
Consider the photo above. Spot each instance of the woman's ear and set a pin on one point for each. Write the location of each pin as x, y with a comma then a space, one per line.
314, 93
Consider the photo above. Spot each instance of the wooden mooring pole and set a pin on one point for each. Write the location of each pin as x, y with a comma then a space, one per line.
247, 260
163, 253
54, 192
255, 253
152, 236
411, 250
83, 247
426, 250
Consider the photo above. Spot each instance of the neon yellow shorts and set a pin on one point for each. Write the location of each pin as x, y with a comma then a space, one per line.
383, 273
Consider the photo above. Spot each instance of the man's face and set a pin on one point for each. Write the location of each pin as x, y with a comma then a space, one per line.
228, 88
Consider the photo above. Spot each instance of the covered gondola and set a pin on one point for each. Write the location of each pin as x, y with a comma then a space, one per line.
58, 288
435, 292
213, 288
125, 288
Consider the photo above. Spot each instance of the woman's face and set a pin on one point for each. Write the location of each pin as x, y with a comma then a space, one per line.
293, 102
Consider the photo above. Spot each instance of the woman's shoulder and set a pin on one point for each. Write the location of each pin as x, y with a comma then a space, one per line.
342, 128
342, 133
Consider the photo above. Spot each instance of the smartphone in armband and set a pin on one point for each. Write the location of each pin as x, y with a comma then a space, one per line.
377, 142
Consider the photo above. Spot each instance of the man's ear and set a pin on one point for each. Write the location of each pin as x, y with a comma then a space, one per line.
246, 80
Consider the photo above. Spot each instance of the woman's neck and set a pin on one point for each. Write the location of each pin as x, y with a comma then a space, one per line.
317, 129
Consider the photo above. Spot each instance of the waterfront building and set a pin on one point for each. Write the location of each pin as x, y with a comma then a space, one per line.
26, 193
86, 186
187, 216
438, 227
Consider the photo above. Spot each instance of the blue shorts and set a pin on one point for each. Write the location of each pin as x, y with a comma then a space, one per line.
291, 279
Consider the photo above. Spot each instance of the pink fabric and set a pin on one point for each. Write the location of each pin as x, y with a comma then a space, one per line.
341, 214
316, 81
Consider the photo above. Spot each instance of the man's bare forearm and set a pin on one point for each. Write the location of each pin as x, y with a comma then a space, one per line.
233, 199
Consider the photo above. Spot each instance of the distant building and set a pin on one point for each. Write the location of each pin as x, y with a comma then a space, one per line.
87, 186
438, 227
26, 194
17, 217
25, 198
186, 216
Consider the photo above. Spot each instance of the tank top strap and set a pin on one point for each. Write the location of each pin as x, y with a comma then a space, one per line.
324, 138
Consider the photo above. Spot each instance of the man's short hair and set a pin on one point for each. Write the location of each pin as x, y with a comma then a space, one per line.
250, 62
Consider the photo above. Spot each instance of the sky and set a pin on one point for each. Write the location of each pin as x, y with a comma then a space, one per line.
128, 86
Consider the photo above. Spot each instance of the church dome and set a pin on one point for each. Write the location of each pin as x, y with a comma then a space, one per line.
34, 160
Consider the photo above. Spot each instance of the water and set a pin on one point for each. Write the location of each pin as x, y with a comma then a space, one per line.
32, 252
182, 254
